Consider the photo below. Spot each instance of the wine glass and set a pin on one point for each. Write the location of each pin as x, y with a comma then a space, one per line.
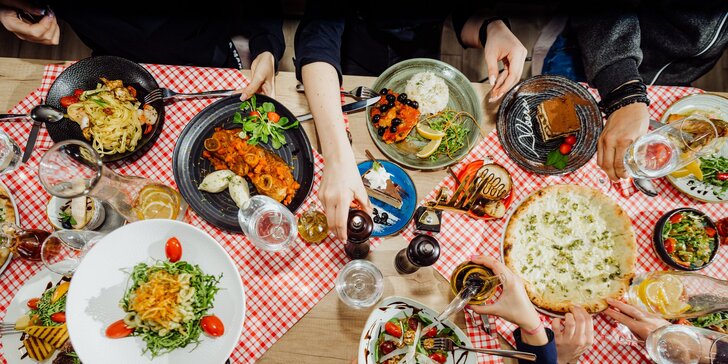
63, 250
9, 153
267, 223
359, 284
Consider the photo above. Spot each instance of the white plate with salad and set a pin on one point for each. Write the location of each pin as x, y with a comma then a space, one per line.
390, 335
156, 291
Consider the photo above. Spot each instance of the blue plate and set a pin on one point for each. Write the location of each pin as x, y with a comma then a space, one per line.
397, 219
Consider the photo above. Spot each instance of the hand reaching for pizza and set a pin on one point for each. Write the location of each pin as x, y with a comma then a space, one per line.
573, 335
513, 303
640, 322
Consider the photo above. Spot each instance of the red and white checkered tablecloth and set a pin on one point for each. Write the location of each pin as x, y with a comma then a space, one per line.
280, 287
462, 237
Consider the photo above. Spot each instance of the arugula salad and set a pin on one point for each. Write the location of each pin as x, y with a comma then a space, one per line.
408, 339
262, 123
715, 173
688, 239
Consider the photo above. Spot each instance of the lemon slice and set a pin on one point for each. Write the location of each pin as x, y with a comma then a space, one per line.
677, 308
672, 288
429, 133
157, 210
692, 168
157, 202
429, 149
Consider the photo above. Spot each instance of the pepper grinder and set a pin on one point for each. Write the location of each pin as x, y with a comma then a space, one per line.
422, 251
358, 229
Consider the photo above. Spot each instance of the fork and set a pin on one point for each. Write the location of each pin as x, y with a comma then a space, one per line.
357, 93
6, 329
166, 94
447, 344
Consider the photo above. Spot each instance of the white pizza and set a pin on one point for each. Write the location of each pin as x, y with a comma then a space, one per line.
571, 245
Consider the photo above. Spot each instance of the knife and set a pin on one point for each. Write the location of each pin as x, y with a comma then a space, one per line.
31, 141
350, 107
13, 116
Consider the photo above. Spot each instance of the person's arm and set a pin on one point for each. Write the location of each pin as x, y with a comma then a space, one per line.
267, 44
574, 335
46, 31
610, 49
318, 44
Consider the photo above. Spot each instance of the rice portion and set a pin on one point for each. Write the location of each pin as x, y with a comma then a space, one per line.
430, 91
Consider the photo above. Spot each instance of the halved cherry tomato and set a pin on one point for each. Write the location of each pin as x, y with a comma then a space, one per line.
132, 91
438, 357
710, 231
173, 249
67, 101
254, 113
273, 116
212, 325
570, 140
59, 317
33, 303
393, 329
432, 332
658, 154
118, 329
565, 149
722, 176
670, 245
674, 219
148, 129
77, 92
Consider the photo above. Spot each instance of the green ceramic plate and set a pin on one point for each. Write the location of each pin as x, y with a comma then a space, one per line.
462, 97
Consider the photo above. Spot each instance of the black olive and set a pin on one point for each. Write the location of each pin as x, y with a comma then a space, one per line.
380, 131
391, 104
66, 224
402, 97
396, 121
392, 129
414, 104
376, 118
384, 91
390, 98
383, 108
384, 216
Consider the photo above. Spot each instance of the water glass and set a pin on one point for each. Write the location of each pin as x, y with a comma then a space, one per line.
359, 284
682, 344
9, 153
63, 250
267, 223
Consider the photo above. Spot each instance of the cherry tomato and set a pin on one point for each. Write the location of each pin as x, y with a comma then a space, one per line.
212, 325
59, 317
670, 245
173, 249
33, 303
412, 323
722, 176
132, 91
393, 329
674, 219
432, 332
565, 149
67, 101
570, 140
438, 357
387, 347
148, 129
273, 116
254, 113
118, 329
710, 231
658, 154
77, 92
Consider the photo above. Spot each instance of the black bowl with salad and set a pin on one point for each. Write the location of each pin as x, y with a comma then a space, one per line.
686, 239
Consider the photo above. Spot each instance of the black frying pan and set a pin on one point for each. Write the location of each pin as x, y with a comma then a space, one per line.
190, 168
85, 74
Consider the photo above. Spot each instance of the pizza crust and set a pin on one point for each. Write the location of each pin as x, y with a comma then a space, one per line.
6, 205
611, 281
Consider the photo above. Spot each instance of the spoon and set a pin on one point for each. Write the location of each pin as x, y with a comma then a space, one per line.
41, 113
645, 186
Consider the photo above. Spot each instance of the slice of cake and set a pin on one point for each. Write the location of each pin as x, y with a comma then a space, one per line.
557, 117
379, 185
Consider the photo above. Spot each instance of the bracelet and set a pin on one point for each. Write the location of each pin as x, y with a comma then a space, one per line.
483, 33
632, 99
534, 331
625, 94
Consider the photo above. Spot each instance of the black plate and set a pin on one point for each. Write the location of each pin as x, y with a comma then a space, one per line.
190, 168
85, 74
659, 244
521, 138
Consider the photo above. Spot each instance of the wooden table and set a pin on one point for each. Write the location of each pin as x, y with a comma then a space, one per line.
329, 333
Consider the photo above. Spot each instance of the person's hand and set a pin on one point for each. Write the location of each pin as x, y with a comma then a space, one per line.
46, 31
573, 335
623, 127
340, 185
502, 45
262, 80
639, 322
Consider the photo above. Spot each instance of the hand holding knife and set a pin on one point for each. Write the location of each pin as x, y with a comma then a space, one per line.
348, 108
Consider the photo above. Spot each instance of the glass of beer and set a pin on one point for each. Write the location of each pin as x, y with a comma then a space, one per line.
471, 283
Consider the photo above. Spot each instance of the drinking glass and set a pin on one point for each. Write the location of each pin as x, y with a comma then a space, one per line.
25, 243
72, 168
359, 284
63, 250
471, 283
682, 344
671, 147
267, 223
9, 153
673, 294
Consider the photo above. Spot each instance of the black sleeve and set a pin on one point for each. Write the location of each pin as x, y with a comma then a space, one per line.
464, 10
318, 37
609, 41
545, 354
266, 34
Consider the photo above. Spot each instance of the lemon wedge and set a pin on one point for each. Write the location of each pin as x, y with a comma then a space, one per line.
692, 168
429, 133
430, 148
